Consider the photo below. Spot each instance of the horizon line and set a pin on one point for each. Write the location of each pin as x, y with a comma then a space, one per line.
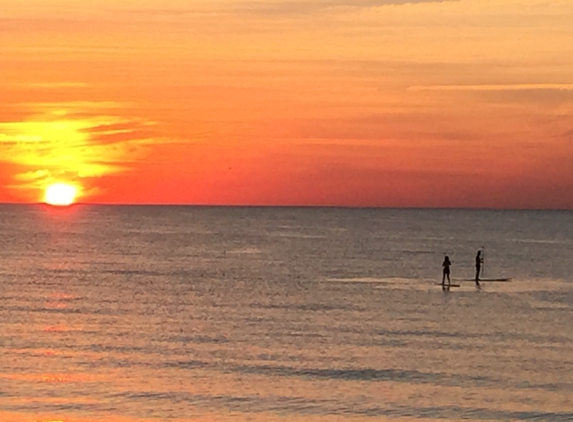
306, 206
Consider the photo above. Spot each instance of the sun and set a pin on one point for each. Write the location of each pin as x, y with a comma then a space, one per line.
60, 194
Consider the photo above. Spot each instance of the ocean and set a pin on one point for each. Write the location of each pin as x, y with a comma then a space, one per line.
175, 313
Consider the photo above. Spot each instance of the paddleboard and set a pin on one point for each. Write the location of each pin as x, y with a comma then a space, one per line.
448, 285
489, 280
496, 279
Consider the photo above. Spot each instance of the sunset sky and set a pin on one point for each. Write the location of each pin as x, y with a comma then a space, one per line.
388, 103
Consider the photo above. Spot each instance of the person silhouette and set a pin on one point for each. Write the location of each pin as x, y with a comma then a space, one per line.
479, 261
446, 270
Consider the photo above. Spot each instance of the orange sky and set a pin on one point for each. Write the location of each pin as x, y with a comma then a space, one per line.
285, 102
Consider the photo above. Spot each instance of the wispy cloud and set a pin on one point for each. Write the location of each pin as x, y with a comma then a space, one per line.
72, 142
509, 87
305, 7
283, 8
51, 85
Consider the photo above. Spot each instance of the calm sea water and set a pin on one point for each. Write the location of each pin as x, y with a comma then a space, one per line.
132, 314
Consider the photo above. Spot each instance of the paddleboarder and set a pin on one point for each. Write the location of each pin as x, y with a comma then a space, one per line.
479, 261
446, 270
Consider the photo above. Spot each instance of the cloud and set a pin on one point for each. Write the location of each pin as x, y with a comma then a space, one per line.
282, 8
307, 7
72, 142
51, 85
33, 175
509, 87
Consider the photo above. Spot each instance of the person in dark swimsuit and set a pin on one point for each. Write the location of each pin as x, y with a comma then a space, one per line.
479, 261
446, 270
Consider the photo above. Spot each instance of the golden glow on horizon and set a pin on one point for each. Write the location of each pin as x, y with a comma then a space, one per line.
60, 194
70, 141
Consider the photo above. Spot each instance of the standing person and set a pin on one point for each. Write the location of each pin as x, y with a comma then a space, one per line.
446, 270
479, 261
